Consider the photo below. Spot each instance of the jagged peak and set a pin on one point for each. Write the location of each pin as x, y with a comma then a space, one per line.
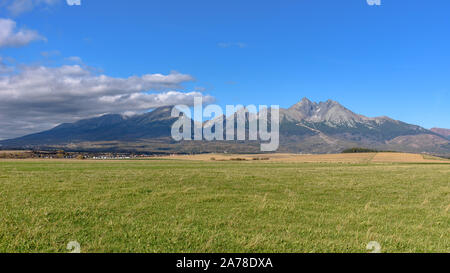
325, 111
305, 100
332, 102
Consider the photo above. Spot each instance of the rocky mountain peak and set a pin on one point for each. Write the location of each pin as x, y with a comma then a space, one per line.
329, 111
302, 110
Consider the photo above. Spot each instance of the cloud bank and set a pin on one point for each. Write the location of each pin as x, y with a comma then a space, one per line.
36, 98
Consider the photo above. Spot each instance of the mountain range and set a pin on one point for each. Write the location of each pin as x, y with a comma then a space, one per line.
306, 127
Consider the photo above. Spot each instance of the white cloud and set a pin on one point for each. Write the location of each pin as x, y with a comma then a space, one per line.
10, 36
37, 98
17, 7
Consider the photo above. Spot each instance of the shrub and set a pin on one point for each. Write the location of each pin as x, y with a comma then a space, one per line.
359, 150
261, 158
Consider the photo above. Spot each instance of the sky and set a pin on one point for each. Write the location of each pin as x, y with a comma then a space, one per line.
60, 62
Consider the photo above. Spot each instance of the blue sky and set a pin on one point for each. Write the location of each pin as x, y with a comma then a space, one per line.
389, 60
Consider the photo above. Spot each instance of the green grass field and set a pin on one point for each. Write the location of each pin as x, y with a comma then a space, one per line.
193, 206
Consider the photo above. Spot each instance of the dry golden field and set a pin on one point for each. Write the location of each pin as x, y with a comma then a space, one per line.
13, 152
322, 158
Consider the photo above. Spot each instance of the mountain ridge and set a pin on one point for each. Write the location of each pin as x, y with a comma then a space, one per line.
311, 127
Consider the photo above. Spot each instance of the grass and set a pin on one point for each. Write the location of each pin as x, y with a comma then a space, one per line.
196, 206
